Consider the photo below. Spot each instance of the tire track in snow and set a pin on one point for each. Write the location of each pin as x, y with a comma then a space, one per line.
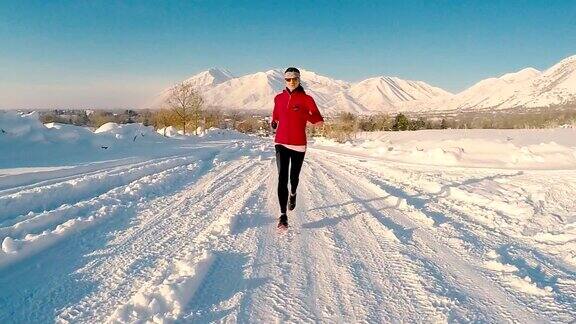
319, 275
26, 203
287, 277
38, 222
355, 253
555, 301
311, 274
225, 292
85, 214
166, 234
393, 279
483, 293
281, 259
33, 180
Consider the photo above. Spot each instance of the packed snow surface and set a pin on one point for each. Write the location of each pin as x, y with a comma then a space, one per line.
443, 226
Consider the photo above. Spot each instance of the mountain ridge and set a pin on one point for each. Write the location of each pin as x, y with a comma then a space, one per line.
525, 88
256, 91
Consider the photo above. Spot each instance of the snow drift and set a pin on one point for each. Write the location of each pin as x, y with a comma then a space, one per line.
543, 149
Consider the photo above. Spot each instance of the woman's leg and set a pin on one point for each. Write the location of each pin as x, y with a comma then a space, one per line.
296, 160
282, 162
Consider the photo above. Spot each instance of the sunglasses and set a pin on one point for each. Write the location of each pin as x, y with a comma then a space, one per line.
290, 79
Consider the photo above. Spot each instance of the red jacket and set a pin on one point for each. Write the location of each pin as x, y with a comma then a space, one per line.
292, 111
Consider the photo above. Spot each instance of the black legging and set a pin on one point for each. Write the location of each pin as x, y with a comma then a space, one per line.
285, 157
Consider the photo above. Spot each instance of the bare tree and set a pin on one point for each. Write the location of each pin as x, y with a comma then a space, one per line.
213, 118
163, 118
186, 103
236, 117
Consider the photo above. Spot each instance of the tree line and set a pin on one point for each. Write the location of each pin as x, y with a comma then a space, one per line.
185, 109
344, 126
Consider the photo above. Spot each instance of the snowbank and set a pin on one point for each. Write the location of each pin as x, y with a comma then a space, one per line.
220, 134
506, 149
170, 131
15, 125
127, 131
26, 142
165, 300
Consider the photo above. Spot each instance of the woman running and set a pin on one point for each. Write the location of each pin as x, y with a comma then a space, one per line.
293, 108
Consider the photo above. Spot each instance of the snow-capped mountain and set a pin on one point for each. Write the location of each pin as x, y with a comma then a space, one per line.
210, 78
381, 93
256, 91
527, 88
495, 92
555, 86
253, 91
487, 93
202, 81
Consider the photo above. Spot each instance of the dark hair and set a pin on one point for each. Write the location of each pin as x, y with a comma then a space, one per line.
292, 69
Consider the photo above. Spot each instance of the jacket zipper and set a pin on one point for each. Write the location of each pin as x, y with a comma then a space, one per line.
288, 105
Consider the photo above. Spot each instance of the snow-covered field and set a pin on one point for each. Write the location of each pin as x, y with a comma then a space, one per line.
428, 226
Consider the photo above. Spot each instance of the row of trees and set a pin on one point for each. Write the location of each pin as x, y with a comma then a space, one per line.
514, 119
182, 108
94, 118
346, 125
185, 109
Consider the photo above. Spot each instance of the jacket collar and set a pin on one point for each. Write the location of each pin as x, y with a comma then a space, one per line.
298, 89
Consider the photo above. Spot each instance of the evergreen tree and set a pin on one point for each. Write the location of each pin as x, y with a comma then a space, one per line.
401, 122
443, 124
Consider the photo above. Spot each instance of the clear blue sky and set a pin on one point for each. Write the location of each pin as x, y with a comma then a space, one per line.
116, 53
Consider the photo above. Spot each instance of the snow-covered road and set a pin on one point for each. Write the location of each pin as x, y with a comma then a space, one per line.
192, 238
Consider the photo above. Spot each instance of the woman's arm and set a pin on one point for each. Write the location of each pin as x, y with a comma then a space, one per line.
275, 115
314, 114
